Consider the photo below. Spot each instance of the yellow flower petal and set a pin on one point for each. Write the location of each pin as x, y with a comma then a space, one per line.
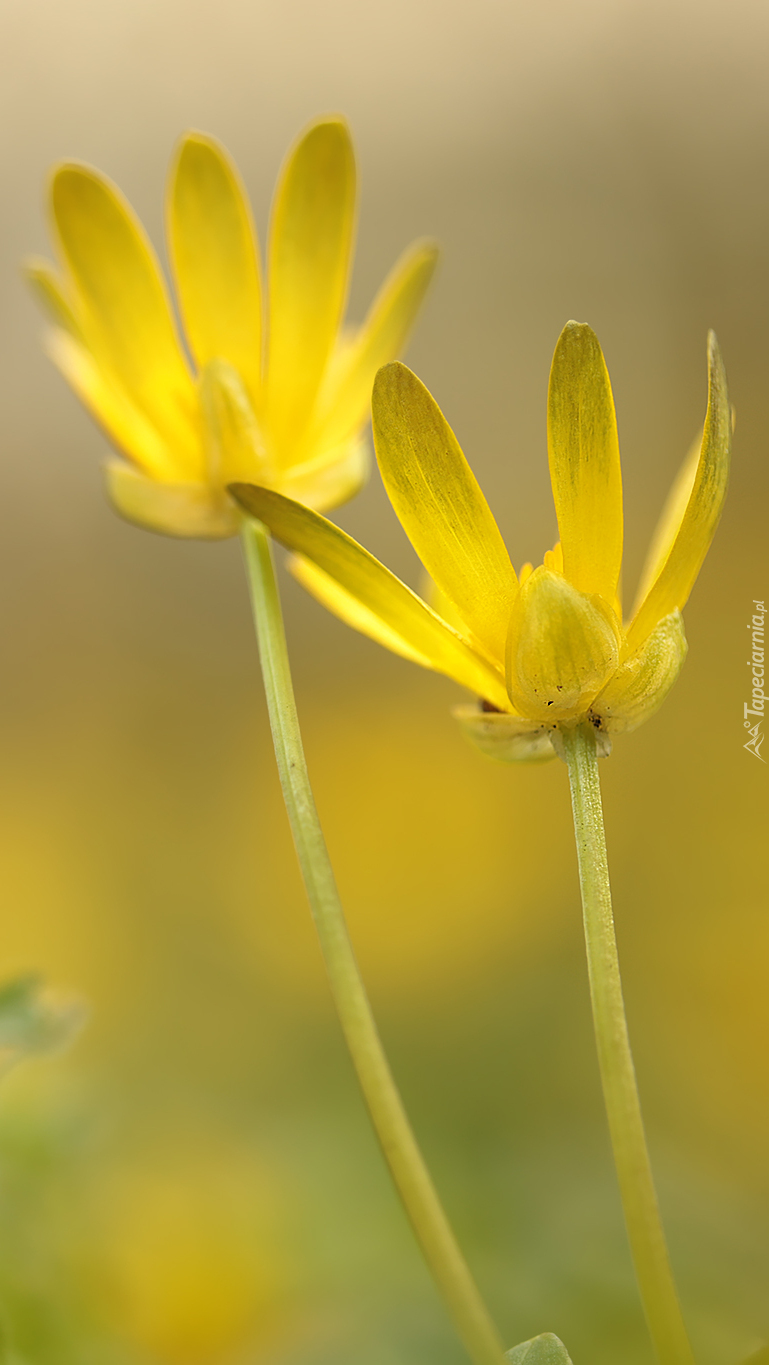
440, 603
505, 738
310, 243
214, 254
332, 478
553, 559
618, 599
584, 462
123, 306
379, 593
173, 509
51, 294
670, 520
562, 649
237, 451
234, 443
350, 609
126, 427
440, 505
691, 541
124, 424
345, 398
642, 682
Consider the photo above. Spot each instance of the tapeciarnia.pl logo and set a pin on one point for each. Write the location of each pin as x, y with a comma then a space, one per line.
755, 707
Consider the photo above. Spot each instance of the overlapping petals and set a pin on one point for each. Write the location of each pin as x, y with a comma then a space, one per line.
440, 506
690, 519
305, 385
547, 649
365, 593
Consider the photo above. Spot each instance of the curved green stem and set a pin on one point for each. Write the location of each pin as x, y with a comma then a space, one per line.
639, 1199
388, 1116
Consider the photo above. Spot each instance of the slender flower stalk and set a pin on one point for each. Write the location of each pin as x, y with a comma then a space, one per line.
275, 431
556, 667
277, 392
623, 1107
384, 1103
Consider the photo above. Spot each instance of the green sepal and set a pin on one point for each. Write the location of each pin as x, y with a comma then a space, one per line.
546, 1349
642, 682
562, 648
504, 737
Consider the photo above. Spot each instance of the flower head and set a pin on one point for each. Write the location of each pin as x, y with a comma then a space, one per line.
297, 384
546, 648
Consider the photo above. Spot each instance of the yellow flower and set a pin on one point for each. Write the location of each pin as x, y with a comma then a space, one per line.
547, 648
295, 388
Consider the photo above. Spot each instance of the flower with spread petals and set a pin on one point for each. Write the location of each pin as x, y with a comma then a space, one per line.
546, 648
275, 394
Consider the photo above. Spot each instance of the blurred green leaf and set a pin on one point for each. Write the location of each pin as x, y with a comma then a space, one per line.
546, 1349
34, 1020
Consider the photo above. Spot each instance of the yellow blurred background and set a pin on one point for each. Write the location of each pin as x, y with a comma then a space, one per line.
195, 1182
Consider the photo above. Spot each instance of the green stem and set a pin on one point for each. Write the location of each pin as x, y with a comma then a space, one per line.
639, 1199
385, 1106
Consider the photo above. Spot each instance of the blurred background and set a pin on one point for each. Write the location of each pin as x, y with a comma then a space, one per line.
195, 1182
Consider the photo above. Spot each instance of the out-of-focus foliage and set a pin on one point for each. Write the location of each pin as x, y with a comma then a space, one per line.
33, 1021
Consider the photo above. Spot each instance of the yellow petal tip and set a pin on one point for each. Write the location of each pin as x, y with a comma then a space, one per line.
394, 372
329, 120
334, 125
32, 267
430, 246
575, 330
195, 140
64, 171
